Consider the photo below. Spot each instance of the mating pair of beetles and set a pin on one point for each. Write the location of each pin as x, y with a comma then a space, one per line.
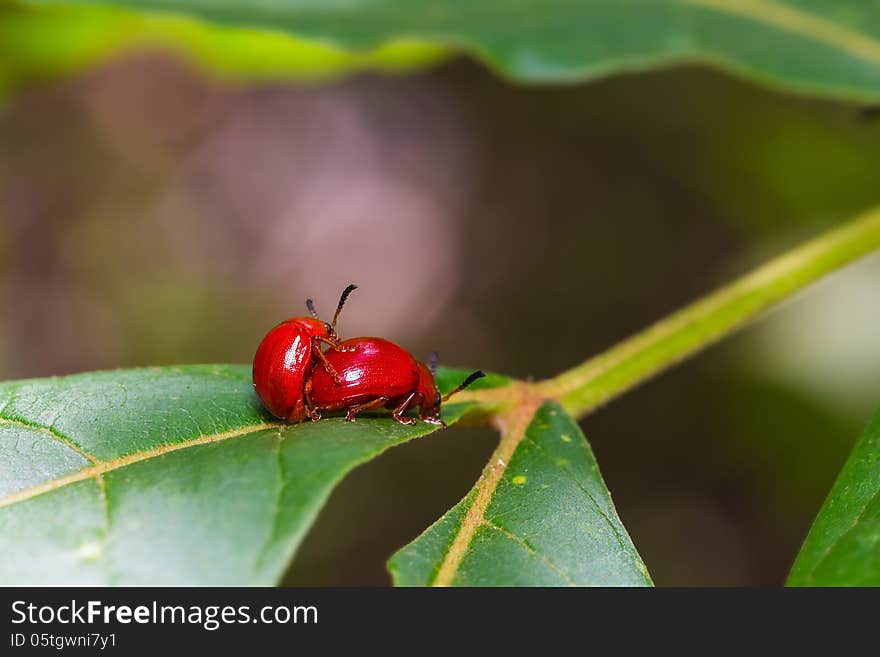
295, 378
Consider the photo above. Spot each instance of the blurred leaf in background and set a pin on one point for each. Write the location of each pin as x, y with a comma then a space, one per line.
40, 42
818, 46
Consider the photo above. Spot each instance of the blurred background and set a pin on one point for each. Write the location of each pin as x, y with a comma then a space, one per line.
153, 216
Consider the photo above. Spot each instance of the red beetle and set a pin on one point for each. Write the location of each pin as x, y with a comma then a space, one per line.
287, 356
374, 373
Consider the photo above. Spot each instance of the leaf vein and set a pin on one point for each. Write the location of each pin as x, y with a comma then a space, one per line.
798, 21
52, 432
842, 534
105, 562
102, 467
531, 550
517, 423
276, 506
586, 492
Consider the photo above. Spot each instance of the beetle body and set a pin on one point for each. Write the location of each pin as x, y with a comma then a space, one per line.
287, 357
375, 373
283, 363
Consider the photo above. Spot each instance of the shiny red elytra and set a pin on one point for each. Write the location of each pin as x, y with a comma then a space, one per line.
287, 356
375, 373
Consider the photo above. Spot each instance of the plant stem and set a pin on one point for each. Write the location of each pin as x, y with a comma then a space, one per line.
687, 331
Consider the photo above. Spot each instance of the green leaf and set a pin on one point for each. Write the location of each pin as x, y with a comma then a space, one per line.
542, 516
812, 45
167, 476
843, 546
38, 42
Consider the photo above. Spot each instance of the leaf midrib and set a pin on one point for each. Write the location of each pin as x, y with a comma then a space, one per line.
517, 422
99, 468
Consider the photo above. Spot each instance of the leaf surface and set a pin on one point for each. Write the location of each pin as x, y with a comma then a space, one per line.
843, 546
819, 46
39, 42
543, 518
168, 476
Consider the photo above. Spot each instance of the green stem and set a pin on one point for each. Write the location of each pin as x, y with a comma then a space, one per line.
682, 334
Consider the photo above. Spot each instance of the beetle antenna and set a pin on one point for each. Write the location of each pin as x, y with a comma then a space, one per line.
311, 306
432, 363
342, 299
473, 376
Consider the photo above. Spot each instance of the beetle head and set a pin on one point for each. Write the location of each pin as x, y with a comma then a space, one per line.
432, 400
327, 329
315, 327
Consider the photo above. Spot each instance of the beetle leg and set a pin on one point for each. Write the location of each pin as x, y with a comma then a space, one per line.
327, 366
398, 412
357, 408
430, 419
434, 420
333, 344
314, 413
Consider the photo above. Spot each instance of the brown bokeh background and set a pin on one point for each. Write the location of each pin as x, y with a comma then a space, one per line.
152, 216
